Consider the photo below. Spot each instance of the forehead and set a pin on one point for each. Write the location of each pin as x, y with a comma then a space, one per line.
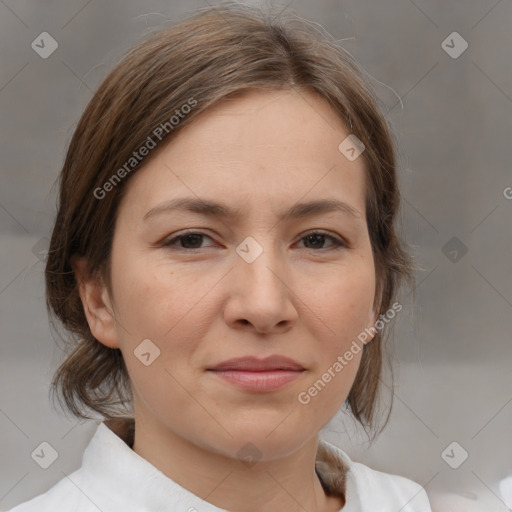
302, 123
266, 146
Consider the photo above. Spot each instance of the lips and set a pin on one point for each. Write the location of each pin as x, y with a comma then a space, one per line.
253, 364
254, 375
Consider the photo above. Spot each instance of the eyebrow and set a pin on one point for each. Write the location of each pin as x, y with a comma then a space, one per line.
216, 209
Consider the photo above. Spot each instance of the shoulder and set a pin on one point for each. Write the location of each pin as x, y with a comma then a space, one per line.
63, 494
371, 489
391, 489
82, 489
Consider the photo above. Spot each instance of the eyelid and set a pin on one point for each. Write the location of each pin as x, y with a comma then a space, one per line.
337, 238
167, 241
338, 242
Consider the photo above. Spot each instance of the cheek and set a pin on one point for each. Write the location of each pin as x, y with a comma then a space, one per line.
150, 299
168, 306
344, 304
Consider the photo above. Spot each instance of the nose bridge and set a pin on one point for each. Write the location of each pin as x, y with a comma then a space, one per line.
259, 294
259, 265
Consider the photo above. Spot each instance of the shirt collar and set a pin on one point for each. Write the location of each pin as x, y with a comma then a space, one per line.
110, 454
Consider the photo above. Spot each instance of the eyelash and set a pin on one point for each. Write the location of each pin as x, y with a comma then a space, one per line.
170, 243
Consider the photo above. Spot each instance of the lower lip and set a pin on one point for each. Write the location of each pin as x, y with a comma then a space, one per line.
258, 381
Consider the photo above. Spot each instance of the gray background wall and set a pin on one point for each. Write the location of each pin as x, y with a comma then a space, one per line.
452, 117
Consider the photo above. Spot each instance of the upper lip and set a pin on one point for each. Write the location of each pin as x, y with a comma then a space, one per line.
251, 363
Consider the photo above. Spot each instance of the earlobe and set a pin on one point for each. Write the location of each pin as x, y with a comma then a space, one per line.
97, 305
371, 330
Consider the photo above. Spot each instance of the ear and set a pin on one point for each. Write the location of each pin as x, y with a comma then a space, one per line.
372, 319
97, 305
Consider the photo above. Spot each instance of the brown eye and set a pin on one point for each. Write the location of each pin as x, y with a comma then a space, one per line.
189, 241
316, 240
193, 241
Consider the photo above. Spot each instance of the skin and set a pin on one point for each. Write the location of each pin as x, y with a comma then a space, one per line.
201, 303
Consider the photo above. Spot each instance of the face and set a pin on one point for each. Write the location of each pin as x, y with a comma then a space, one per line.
206, 287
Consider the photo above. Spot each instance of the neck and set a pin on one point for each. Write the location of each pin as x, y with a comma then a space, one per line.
289, 483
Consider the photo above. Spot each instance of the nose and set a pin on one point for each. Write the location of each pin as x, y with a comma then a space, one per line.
261, 296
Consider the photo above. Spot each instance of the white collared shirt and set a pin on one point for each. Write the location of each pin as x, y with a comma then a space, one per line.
114, 478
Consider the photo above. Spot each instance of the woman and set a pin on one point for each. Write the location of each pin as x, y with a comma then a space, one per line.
225, 256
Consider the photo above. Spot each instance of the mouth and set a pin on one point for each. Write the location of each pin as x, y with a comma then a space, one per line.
258, 375
253, 364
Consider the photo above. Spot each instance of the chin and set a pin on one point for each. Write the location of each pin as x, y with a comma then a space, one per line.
261, 440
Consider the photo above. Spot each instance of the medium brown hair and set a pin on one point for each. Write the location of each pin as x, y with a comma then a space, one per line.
218, 53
